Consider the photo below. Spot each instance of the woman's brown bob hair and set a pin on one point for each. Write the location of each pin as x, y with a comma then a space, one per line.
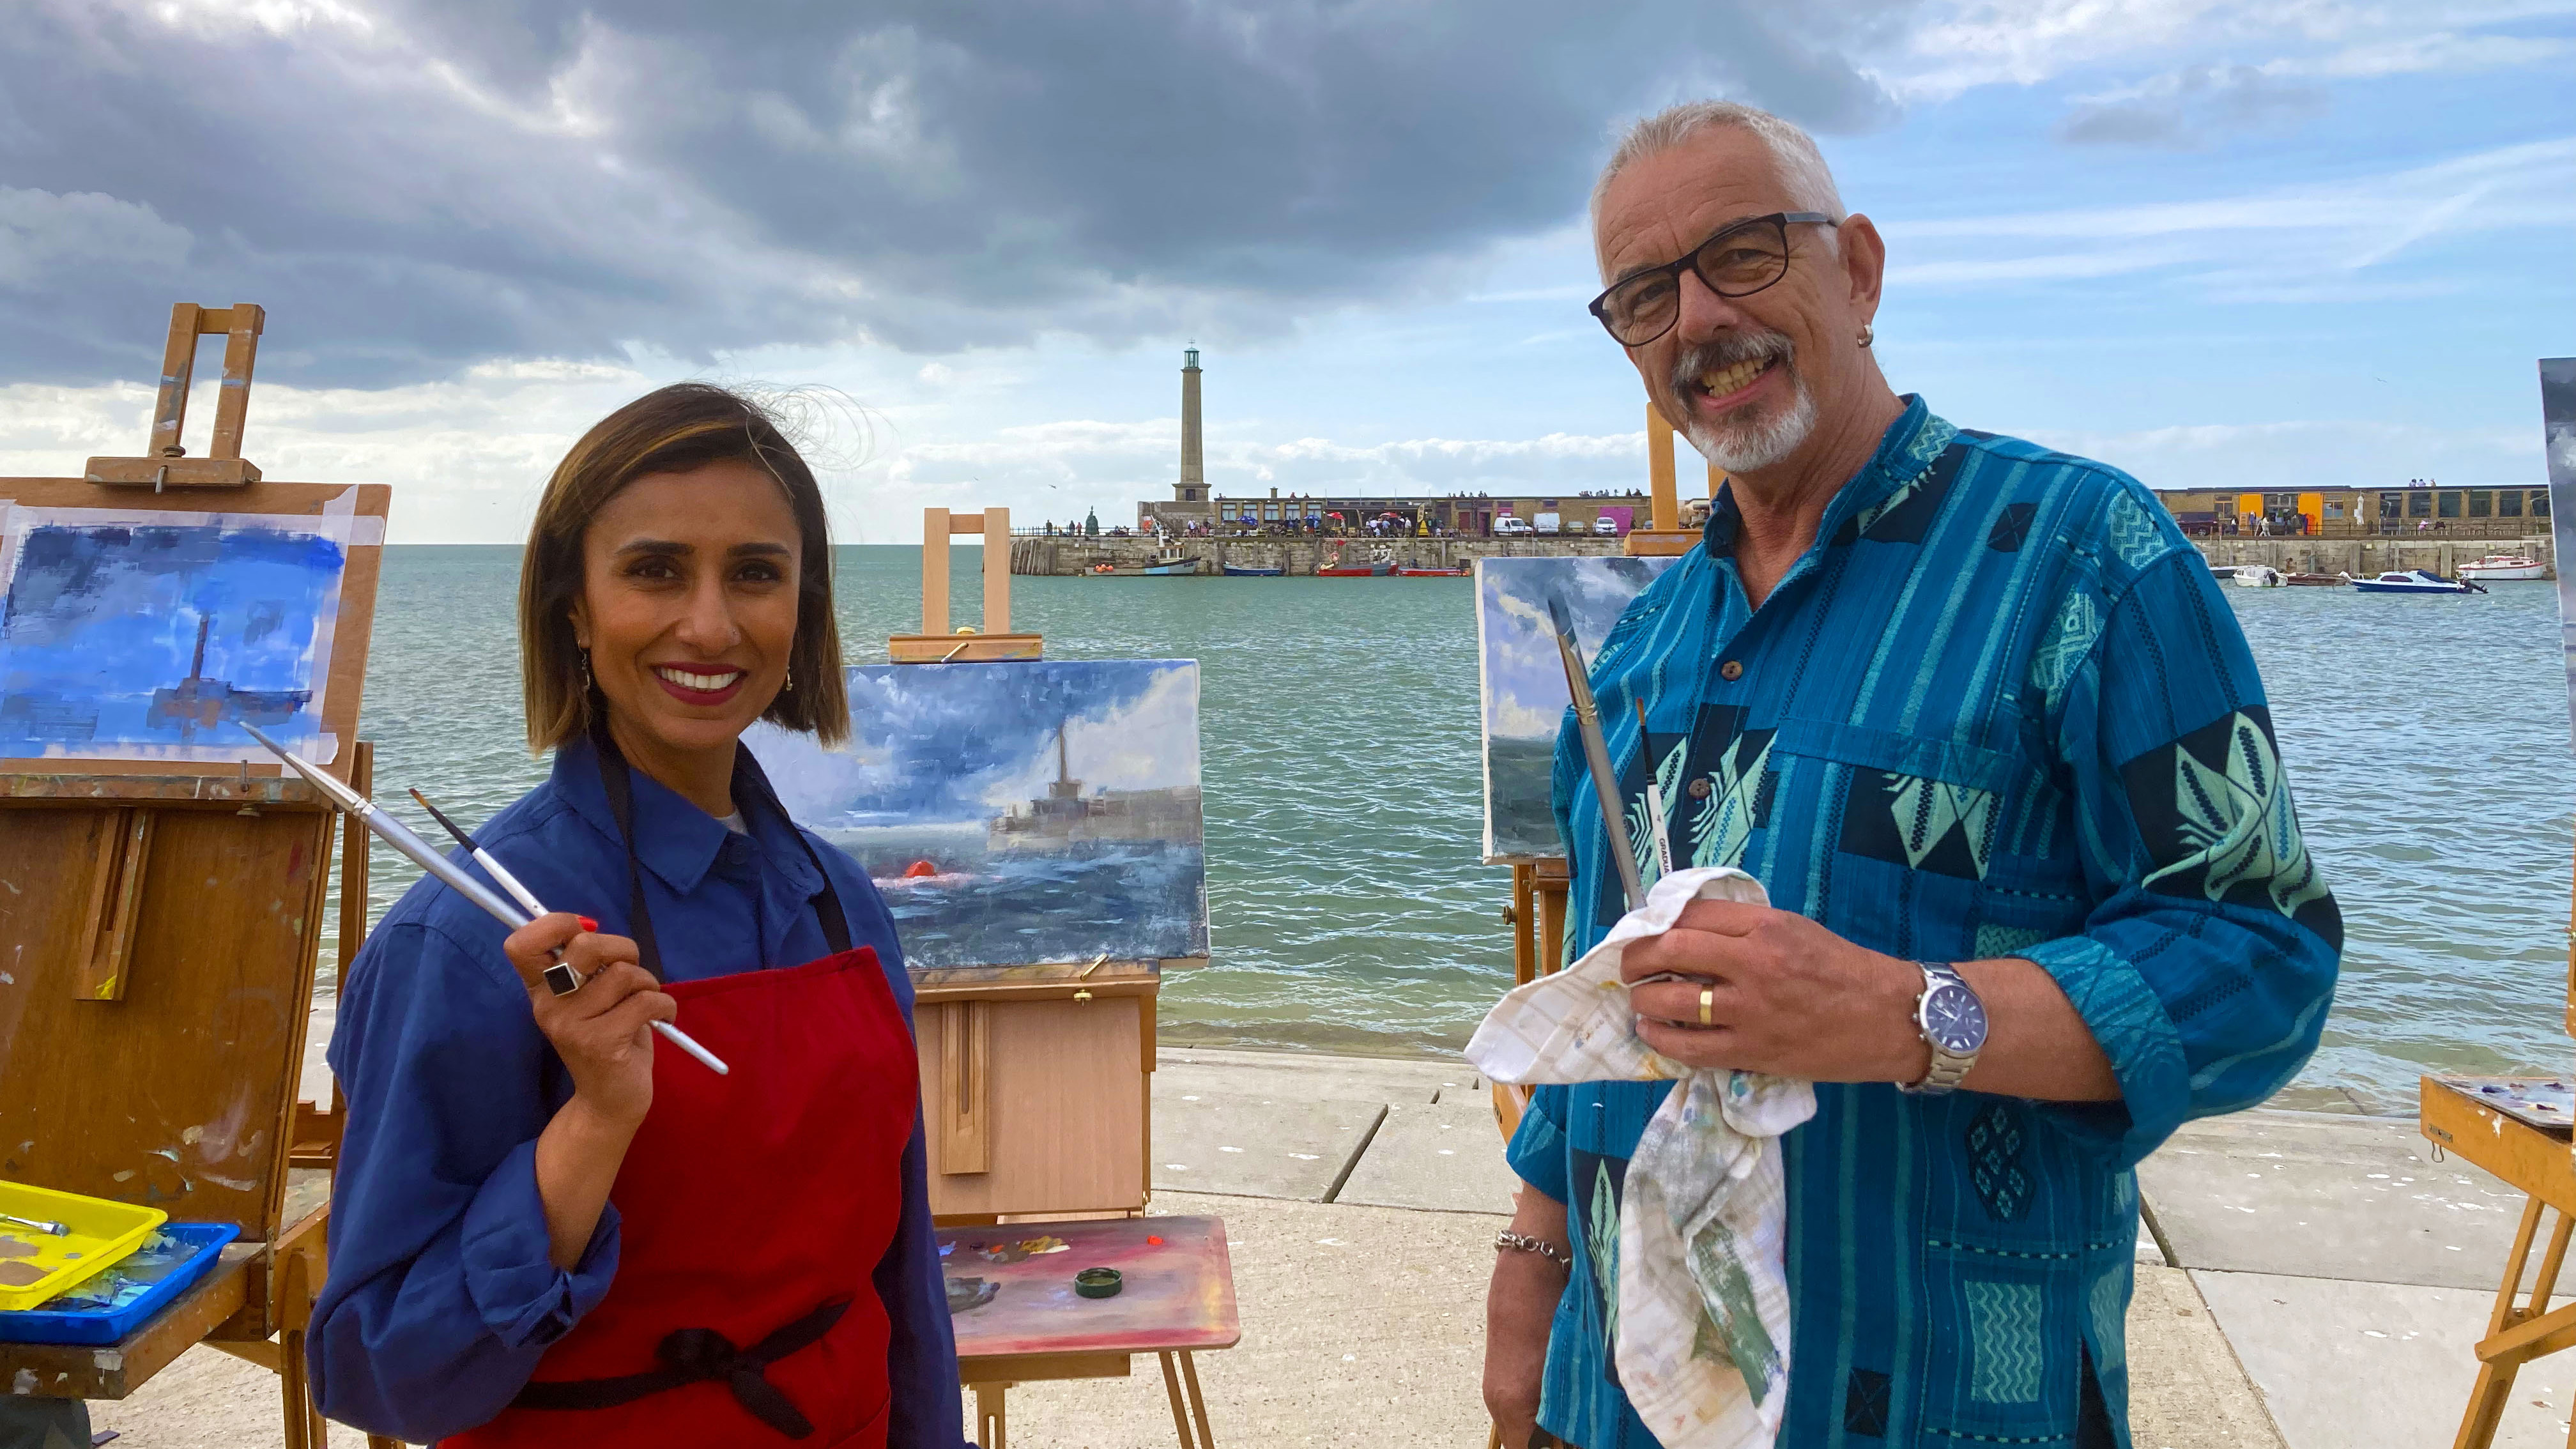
673, 430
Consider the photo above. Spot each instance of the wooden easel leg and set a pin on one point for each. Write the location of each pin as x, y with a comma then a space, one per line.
1172, 1390
2495, 1377
992, 1428
1198, 1401
304, 1426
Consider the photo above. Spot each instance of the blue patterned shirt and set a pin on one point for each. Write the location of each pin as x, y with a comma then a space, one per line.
1998, 709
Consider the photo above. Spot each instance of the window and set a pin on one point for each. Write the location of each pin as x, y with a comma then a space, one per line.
1225, 509
2509, 504
2276, 504
2481, 505
2450, 505
1189, 495
2419, 505
2539, 504
2334, 508
1270, 511
2391, 504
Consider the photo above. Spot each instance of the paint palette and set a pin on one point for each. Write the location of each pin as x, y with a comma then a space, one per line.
36, 1265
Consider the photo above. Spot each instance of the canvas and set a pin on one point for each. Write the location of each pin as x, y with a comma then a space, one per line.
1016, 814
131, 634
1522, 682
2558, 430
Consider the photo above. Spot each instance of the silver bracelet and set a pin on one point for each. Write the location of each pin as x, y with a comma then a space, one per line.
1524, 1243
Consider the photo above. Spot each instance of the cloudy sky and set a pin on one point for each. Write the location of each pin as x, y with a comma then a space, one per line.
2259, 242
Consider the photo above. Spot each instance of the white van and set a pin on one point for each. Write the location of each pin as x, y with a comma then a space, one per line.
1510, 525
1548, 523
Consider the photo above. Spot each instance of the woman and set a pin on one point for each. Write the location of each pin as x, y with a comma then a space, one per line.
551, 1227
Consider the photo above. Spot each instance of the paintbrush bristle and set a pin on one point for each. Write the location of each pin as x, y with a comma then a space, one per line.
440, 816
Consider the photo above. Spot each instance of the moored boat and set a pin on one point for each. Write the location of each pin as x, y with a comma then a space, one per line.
2259, 576
1247, 571
1379, 565
2414, 581
2504, 568
1458, 573
2319, 581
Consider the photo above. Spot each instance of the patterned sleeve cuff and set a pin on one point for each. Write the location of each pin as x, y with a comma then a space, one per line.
2128, 1020
1537, 1148
524, 1299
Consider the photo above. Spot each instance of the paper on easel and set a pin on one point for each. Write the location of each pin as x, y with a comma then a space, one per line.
1703, 1292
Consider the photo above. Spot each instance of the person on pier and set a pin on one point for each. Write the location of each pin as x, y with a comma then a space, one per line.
549, 1226
1979, 719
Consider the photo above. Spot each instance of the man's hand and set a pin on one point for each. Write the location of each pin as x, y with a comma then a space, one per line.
1520, 1307
1784, 995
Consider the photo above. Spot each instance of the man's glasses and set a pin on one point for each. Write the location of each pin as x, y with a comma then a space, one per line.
1737, 262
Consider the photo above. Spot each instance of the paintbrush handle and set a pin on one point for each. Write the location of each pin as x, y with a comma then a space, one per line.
55, 1230
509, 882
1596, 759
670, 1033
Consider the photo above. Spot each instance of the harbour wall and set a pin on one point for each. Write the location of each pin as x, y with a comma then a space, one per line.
1076, 555
1068, 555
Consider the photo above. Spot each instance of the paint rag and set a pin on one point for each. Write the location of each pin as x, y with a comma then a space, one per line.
1702, 1302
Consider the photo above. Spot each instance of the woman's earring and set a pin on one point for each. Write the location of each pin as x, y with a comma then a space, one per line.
1867, 332
586, 685
791, 680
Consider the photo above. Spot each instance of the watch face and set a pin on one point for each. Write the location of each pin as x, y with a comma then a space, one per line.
1954, 1019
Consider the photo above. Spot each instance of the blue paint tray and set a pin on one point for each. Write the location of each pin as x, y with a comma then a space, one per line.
113, 1304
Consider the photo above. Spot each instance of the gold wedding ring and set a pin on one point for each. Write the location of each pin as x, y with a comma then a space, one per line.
1707, 1005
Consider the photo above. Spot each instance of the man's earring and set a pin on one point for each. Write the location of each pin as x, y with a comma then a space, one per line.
1867, 332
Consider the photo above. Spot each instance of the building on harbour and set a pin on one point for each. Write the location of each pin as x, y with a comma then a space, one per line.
2419, 506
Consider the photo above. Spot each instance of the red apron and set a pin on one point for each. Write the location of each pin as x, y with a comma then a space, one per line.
747, 1203
753, 1209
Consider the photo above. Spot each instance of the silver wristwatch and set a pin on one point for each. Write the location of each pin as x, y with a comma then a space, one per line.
1953, 1023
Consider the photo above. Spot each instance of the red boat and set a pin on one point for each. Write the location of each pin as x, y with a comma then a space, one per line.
1378, 567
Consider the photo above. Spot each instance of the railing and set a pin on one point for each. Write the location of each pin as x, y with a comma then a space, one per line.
2442, 530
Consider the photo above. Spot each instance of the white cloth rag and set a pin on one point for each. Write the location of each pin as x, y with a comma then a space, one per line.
1700, 1312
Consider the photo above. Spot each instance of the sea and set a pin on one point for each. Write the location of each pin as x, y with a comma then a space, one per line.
2427, 740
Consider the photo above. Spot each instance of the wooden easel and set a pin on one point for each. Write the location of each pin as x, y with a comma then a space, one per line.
1666, 538
162, 927
1537, 918
1034, 1079
2536, 1160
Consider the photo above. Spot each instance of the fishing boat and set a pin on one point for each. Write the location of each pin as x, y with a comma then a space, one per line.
2259, 576
2504, 568
1247, 571
1456, 573
1168, 563
2415, 581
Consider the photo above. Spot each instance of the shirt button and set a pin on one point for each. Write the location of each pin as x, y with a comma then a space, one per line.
1699, 788
1731, 670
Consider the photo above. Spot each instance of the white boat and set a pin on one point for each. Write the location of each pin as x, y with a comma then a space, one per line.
2414, 581
2504, 567
2222, 571
2258, 576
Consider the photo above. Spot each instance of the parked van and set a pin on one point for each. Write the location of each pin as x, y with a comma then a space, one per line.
1547, 523
1510, 524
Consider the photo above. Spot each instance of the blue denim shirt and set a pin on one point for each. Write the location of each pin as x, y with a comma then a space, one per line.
1999, 709
441, 1296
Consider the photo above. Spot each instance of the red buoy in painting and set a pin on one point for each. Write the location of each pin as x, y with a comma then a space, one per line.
919, 869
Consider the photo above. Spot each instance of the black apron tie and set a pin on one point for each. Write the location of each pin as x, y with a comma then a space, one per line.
695, 1355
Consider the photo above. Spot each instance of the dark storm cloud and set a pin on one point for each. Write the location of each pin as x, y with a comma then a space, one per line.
413, 186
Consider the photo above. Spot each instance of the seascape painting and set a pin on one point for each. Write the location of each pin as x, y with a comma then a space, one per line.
1016, 814
1521, 681
140, 635
2558, 434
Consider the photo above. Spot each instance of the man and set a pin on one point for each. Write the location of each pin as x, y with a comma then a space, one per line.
1980, 721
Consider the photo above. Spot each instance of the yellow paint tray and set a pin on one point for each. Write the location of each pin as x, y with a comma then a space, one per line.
102, 1234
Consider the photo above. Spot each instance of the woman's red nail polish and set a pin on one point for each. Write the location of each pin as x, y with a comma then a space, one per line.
588, 924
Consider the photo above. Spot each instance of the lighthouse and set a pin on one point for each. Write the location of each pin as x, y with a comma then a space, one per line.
1192, 488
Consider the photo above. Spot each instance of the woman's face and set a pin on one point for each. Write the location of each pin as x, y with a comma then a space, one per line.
688, 605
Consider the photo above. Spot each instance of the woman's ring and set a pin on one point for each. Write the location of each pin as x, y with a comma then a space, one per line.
563, 978
1707, 1005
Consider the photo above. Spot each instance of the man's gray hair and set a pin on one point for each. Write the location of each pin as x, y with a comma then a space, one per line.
1802, 167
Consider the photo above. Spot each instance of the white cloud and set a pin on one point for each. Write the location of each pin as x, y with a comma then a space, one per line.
1152, 744
2307, 454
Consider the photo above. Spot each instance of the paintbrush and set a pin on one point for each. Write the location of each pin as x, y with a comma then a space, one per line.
398, 835
1654, 797
56, 1230
1596, 751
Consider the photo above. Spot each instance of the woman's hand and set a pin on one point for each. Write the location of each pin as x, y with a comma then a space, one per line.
603, 1031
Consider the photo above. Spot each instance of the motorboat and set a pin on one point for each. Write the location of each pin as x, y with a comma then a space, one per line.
2319, 581
1246, 571
1380, 564
2222, 572
2504, 568
2259, 576
1456, 573
2414, 581
1170, 562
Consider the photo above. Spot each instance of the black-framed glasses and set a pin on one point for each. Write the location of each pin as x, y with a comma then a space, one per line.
1742, 259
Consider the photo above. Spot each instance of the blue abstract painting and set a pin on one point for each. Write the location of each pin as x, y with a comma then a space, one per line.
1016, 814
1522, 679
136, 639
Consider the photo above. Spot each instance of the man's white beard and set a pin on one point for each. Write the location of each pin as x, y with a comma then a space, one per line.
1745, 447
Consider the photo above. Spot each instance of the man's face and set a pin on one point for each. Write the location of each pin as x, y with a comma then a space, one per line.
1744, 378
